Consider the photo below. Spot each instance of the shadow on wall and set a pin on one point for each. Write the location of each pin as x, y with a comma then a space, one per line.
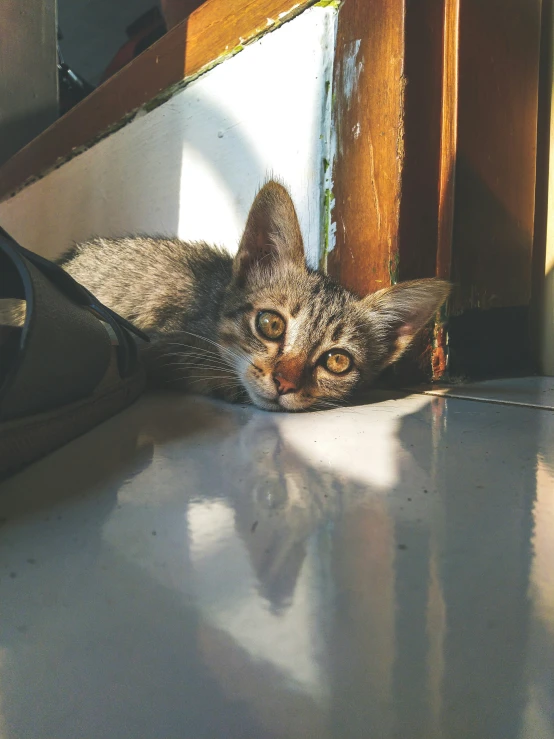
125, 184
259, 585
191, 166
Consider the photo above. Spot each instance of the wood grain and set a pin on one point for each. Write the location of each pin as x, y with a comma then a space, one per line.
448, 136
427, 199
419, 203
210, 33
368, 116
497, 143
396, 141
396, 151
448, 148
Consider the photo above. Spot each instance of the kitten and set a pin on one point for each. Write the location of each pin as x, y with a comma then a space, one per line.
261, 326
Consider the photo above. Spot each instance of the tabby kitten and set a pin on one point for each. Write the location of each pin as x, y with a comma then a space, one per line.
262, 326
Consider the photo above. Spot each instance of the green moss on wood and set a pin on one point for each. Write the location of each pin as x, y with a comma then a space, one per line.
328, 205
328, 4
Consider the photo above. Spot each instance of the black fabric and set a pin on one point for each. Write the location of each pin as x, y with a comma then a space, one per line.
64, 351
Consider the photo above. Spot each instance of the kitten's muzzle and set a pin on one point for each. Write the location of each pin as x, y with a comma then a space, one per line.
287, 375
284, 385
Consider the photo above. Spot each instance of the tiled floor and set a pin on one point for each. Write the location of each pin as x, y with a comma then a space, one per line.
535, 392
192, 569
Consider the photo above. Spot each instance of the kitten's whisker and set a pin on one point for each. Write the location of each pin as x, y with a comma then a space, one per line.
190, 346
194, 347
214, 375
187, 378
217, 371
194, 358
202, 364
233, 353
210, 377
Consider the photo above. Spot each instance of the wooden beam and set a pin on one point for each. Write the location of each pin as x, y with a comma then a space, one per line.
427, 198
395, 114
496, 154
212, 33
435, 169
448, 143
368, 119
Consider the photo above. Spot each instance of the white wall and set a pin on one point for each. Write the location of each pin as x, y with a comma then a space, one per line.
192, 166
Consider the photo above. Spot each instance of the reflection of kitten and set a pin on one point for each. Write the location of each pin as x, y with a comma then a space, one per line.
261, 326
279, 503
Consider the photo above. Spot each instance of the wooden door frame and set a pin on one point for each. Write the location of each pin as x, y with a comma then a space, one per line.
436, 153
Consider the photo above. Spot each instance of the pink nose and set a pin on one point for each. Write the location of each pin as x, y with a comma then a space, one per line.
284, 385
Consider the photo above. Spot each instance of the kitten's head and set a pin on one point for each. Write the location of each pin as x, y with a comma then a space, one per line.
305, 341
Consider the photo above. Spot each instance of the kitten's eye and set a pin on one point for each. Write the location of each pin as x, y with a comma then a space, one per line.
270, 324
336, 361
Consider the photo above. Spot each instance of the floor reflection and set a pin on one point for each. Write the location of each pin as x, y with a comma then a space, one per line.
377, 571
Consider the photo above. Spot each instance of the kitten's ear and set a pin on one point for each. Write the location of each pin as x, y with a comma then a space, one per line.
401, 311
272, 232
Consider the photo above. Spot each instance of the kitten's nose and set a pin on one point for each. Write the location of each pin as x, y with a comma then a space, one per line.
284, 385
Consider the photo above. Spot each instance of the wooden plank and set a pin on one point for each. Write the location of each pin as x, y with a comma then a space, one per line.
448, 136
449, 187
175, 11
419, 204
447, 169
213, 32
396, 151
496, 164
395, 113
368, 116
427, 199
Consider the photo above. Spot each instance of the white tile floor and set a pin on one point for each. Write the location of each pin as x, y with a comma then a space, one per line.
193, 569
535, 392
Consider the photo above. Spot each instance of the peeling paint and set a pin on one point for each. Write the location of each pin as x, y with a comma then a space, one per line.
288, 12
328, 226
440, 354
328, 4
351, 69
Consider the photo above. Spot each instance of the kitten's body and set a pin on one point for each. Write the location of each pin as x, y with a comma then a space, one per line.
172, 290
208, 314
